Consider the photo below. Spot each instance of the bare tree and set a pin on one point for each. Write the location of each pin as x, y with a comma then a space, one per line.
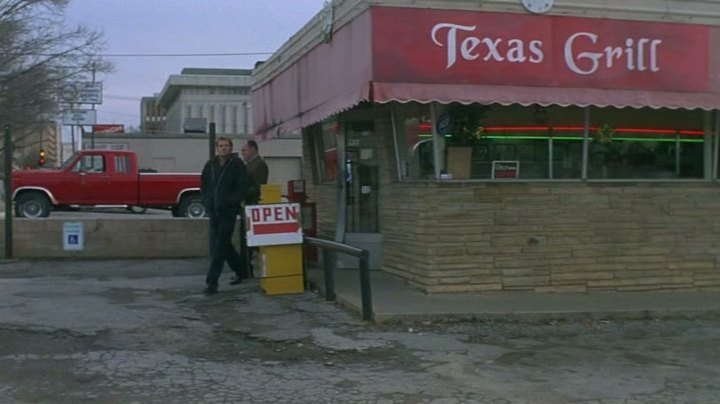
39, 57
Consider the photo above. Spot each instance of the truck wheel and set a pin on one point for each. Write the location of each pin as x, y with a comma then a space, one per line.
175, 211
33, 205
191, 206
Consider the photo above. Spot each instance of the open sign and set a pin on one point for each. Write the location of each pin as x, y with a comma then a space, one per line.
505, 169
274, 224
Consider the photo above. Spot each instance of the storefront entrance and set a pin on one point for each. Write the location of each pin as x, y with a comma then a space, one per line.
362, 186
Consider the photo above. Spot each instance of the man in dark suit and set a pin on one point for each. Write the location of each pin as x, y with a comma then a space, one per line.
258, 172
224, 186
256, 167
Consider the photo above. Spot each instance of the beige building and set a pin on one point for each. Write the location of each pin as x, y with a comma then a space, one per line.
490, 146
217, 95
187, 153
152, 116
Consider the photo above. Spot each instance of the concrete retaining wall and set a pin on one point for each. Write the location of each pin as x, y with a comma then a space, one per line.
110, 238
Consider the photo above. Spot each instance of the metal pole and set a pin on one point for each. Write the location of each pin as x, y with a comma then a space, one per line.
212, 140
329, 276
365, 286
716, 136
586, 144
92, 130
72, 136
8, 194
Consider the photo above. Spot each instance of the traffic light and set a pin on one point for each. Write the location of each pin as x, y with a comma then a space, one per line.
41, 157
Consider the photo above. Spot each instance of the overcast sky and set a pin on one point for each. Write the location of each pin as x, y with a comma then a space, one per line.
181, 26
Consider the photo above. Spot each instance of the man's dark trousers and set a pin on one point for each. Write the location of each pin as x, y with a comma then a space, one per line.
222, 225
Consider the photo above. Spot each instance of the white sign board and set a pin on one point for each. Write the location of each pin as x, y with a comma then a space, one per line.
83, 93
80, 117
505, 169
73, 239
274, 224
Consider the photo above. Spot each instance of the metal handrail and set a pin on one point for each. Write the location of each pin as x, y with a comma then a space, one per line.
328, 247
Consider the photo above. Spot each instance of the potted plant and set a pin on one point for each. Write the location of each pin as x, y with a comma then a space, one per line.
465, 132
603, 147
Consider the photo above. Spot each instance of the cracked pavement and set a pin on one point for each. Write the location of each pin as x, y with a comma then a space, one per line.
142, 332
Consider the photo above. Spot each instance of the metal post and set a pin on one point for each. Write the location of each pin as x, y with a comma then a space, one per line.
212, 140
8, 194
586, 144
365, 286
92, 130
329, 276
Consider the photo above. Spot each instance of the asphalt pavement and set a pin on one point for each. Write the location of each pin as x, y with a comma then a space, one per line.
141, 331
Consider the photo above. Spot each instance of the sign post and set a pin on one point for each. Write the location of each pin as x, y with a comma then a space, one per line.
7, 183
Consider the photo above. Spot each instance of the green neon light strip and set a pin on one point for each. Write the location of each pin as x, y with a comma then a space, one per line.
627, 139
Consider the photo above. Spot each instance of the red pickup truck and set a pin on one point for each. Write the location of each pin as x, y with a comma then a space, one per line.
104, 177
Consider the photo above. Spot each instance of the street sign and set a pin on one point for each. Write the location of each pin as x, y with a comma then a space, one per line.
79, 117
88, 93
73, 239
274, 224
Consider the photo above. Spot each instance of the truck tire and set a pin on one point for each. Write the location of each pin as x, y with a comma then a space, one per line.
175, 211
32, 205
191, 206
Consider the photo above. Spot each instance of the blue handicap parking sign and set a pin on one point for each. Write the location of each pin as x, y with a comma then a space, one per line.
73, 236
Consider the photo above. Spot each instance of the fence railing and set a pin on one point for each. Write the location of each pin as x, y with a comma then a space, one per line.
328, 249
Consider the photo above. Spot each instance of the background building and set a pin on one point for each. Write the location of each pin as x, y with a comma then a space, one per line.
218, 95
188, 152
152, 116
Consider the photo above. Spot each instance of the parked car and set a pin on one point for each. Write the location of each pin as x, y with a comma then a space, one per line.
105, 177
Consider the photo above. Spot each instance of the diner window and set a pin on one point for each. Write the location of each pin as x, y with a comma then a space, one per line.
325, 149
485, 142
645, 144
413, 141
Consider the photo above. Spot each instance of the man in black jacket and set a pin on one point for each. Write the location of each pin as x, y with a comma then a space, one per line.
224, 186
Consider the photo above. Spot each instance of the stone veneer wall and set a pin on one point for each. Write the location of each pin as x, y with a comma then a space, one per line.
554, 237
112, 238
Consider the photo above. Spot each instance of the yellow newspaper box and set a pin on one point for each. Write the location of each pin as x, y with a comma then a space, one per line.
276, 230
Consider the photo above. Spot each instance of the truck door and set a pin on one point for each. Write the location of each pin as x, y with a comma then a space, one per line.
94, 185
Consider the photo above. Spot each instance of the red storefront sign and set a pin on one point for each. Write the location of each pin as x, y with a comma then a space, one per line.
465, 47
108, 128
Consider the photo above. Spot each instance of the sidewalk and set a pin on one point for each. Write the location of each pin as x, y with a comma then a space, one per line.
394, 300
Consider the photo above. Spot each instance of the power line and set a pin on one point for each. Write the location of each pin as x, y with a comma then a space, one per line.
152, 55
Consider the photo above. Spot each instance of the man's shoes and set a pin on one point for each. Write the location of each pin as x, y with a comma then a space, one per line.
210, 290
236, 280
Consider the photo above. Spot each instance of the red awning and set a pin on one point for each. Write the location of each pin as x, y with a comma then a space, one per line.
330, 78
423, 55
507, 95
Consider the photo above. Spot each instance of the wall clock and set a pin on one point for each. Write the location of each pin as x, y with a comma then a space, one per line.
538, 6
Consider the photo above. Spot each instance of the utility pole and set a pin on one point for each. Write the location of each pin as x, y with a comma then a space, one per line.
8, 193
92, 131
211, 140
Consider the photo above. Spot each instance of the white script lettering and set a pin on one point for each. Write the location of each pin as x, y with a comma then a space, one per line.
635, 53
472, 47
